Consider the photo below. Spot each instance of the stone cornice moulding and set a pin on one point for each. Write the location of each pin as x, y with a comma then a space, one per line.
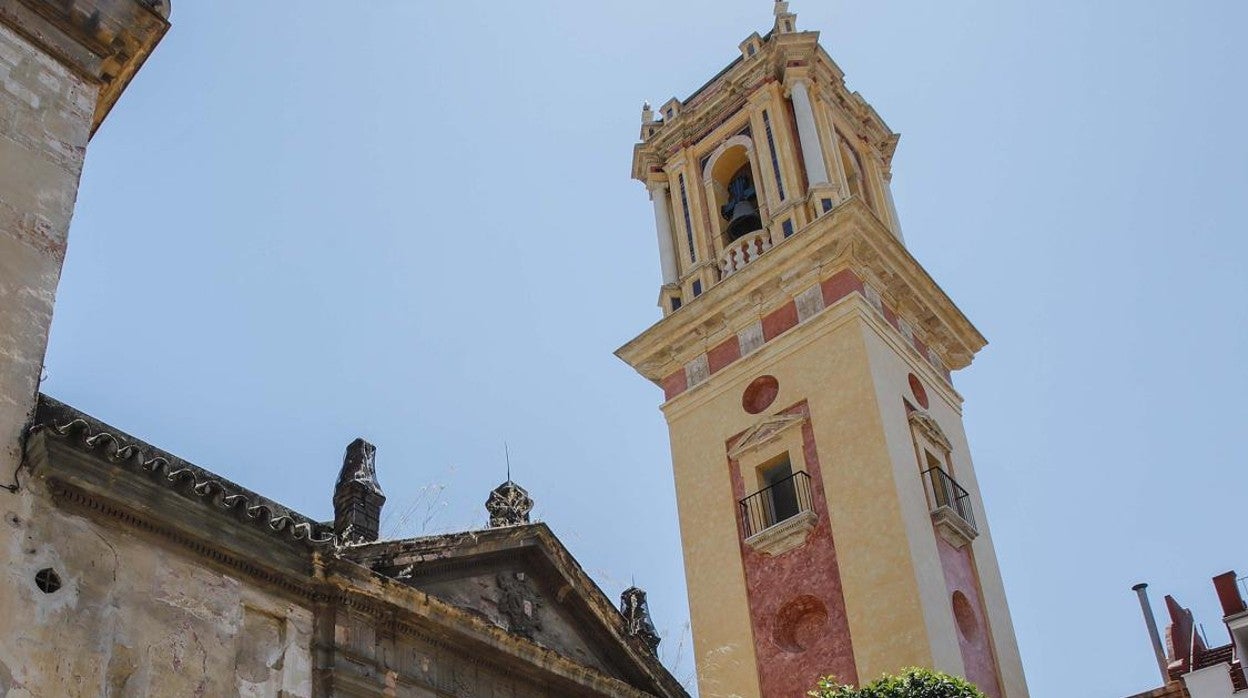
105, 42
108, 447
850, 236
835, 316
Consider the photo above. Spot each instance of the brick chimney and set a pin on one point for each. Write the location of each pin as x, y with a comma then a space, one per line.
1227, 586
357, 495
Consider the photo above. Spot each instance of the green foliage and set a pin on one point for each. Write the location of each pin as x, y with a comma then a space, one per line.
911, 683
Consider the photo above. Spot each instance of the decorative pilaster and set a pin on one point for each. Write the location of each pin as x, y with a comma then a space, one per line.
824, 194
892, 206
637, 622
357, 495
808, 134
663, 224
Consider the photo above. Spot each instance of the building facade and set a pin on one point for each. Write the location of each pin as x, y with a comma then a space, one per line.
831, 518
1190, 666
131, 572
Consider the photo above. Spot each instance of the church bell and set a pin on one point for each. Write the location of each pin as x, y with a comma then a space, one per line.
741, 212
744, 220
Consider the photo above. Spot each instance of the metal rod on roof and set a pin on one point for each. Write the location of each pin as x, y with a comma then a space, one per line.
1141, 590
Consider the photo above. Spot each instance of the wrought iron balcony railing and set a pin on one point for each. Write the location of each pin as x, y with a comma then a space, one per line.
946, 492
777, 503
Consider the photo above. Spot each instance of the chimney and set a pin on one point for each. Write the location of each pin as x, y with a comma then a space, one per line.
1146, 608
357, 495
1227, 586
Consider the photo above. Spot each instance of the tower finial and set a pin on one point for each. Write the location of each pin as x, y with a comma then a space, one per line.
509, 505
786, 21
507, 457
637, 620
358, 498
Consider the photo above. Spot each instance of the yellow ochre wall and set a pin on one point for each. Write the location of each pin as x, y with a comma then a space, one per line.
852, 369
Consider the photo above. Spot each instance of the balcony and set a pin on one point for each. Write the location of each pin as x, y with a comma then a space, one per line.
742, 251
778, 518
951, 508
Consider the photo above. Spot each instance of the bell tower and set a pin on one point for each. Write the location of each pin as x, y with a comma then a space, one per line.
829, 509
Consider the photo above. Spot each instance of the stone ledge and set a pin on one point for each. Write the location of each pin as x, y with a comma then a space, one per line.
784, 536
952, 527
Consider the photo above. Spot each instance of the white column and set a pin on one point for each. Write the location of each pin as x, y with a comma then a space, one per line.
808, 135
892, 207
663, 223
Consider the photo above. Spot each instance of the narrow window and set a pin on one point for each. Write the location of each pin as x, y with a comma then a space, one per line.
775, 159
787, 227
684, 206
697, 288
827, 205
675, 303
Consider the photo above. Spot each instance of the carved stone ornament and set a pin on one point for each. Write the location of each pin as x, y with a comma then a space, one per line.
509, 505
763, 432
518, 602
637, 622
359, 466
923, 422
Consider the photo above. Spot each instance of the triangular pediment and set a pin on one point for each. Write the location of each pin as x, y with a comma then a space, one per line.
522, 580
926, 425
765, 431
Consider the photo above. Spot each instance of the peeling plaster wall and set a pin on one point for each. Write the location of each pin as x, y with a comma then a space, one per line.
133, 617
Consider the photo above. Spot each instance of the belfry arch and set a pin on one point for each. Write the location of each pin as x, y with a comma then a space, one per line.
731, 178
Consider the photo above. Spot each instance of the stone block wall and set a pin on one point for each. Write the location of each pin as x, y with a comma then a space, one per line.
133, 616
45, 122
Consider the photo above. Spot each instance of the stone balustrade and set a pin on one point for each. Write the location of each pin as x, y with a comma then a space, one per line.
742, 251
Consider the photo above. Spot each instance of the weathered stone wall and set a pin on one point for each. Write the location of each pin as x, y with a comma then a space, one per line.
45, 121
513, 599
134, 617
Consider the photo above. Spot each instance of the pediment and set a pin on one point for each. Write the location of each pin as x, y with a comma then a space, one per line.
929, 428
522, 580
763, 432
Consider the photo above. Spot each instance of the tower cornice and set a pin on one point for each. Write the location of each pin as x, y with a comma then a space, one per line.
849, 238
103, 41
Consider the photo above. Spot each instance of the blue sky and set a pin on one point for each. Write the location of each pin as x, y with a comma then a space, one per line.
413, 222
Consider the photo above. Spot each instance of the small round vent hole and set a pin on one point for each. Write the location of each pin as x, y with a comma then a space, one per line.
48, 581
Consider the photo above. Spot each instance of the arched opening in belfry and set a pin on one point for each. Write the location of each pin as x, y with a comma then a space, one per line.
736, 196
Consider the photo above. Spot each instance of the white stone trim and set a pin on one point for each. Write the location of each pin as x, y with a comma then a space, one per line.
809, 303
